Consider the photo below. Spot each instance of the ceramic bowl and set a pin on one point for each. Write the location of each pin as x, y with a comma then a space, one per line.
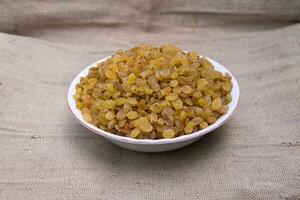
158, 145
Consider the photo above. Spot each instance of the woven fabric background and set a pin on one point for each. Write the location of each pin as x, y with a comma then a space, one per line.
46, 154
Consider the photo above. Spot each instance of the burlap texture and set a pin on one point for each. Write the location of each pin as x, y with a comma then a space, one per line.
46, 154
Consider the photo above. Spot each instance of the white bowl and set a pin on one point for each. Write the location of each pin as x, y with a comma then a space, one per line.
158, 145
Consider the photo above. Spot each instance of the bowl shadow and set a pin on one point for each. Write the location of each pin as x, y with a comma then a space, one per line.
115, 159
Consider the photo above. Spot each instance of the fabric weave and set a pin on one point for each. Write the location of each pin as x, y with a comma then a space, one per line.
46, 154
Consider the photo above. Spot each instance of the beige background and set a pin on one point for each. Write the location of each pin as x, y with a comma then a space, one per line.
46, 154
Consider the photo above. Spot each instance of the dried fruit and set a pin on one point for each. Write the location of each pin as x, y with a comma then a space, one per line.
160, 121
171, 97
177, 104
211, 119
109, 104
110, 74
201, 83
189, 128
110, 115
196, 121
203, 125
173, 83
149, 92
216, 104
186, 89
132, 115
132, 100
135, 132
131, 78
146, 127
223, 109
153, 118
166, 91
168, 133
120, 101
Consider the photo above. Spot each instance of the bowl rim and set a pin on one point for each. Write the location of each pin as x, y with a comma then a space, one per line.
78, 116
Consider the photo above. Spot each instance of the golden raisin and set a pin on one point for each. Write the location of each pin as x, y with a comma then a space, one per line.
168, 133
149, 92
132, 115
173, 83
110, 115
216, 104
135, 132
186, 89
171, 97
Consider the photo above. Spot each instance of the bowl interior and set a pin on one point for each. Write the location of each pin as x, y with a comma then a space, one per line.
235, 92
